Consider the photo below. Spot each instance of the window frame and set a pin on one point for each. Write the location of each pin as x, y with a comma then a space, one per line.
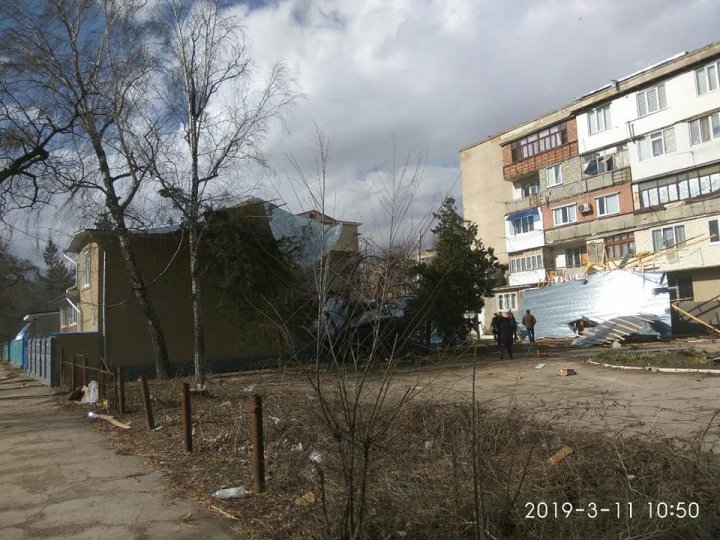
705, 70
602, 198
519, 223
574, 253
574, 220
717, 231
689, 185
539, 142
676, 230
642, 97
558, 177
666, 140
594, 117
618, 245
86, 262
712, 123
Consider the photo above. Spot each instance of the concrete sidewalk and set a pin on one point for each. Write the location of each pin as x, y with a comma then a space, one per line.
59, 479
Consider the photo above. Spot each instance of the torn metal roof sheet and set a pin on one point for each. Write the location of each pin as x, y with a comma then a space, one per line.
309, 239
600, 297
617, 329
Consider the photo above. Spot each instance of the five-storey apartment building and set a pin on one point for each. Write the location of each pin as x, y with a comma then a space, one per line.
630, 168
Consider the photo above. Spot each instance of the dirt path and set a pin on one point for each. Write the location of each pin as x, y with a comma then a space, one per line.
596, 398
58, 478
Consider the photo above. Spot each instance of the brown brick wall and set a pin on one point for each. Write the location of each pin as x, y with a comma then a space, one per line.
626, 204
544, 159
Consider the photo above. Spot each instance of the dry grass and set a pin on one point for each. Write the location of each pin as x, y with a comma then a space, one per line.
422, 474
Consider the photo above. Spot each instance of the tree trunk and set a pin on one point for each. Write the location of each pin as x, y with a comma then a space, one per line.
157, 337
196, 292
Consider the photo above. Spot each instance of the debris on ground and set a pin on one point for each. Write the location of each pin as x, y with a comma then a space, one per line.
230, 493
540, 366
567, 372
513, 374
108, 418
249, 389
560, 455
315, 457
306, 500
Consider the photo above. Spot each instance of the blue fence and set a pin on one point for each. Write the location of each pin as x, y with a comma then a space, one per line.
35, 356
18, 353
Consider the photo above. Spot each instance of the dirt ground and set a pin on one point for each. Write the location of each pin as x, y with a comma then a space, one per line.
597, 398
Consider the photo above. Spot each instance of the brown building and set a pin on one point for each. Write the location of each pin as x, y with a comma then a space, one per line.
102, 319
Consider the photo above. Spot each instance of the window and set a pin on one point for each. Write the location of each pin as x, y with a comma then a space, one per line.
599, 119
680, 288
681, 187
706, 78
524, 224
525, 264
705, 129
573, 257
507, 301
714, 230
609, 204
554, 176
564, 214
668, 237
541, 141
86, 268
69, 316
657, 143
530, 189
601, 161
619, 245
651, 100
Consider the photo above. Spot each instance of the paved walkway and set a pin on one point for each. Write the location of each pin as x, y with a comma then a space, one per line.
59, 479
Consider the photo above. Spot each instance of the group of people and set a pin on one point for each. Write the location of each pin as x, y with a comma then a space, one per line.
505, 330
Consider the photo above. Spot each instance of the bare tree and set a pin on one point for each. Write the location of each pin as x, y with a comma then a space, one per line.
223, 110
92, 58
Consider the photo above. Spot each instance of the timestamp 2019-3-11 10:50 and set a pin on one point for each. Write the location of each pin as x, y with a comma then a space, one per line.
618, 510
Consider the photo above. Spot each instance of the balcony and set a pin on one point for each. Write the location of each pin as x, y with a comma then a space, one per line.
540, 161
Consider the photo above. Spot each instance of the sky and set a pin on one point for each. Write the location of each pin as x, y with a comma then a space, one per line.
390, 81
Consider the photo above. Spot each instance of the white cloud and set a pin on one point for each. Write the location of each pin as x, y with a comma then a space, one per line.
435, 76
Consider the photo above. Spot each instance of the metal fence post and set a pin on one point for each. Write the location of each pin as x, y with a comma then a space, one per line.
120, 385
149, 421
258, 443
186, 417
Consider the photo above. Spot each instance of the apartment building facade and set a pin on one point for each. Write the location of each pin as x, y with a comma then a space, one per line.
630, 168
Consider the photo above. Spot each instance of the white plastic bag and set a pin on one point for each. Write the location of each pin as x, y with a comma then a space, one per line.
91, 394
230, 493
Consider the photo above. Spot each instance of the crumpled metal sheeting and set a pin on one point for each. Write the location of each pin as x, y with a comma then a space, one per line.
617, 329
310, 240
600, 297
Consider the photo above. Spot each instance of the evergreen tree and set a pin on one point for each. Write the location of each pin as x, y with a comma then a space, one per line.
456, 279
56, 277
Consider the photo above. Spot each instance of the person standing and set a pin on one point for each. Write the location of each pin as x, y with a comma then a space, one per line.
494, 325
529, 321
507, 330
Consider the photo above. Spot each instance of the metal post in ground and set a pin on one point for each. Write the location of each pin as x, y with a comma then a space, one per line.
149, 421
120, 385
85, 371
258, 443
72, 373
186, 417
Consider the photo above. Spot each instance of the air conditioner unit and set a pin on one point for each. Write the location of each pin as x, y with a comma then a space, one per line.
585, 208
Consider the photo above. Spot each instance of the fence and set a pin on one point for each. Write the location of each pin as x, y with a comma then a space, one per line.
40, 356
77, 372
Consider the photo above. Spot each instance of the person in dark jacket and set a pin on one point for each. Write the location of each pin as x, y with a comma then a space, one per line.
507, 329
494, 322
529, 321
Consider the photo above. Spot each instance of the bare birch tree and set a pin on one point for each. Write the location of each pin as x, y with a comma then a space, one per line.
92, 57
223, 110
